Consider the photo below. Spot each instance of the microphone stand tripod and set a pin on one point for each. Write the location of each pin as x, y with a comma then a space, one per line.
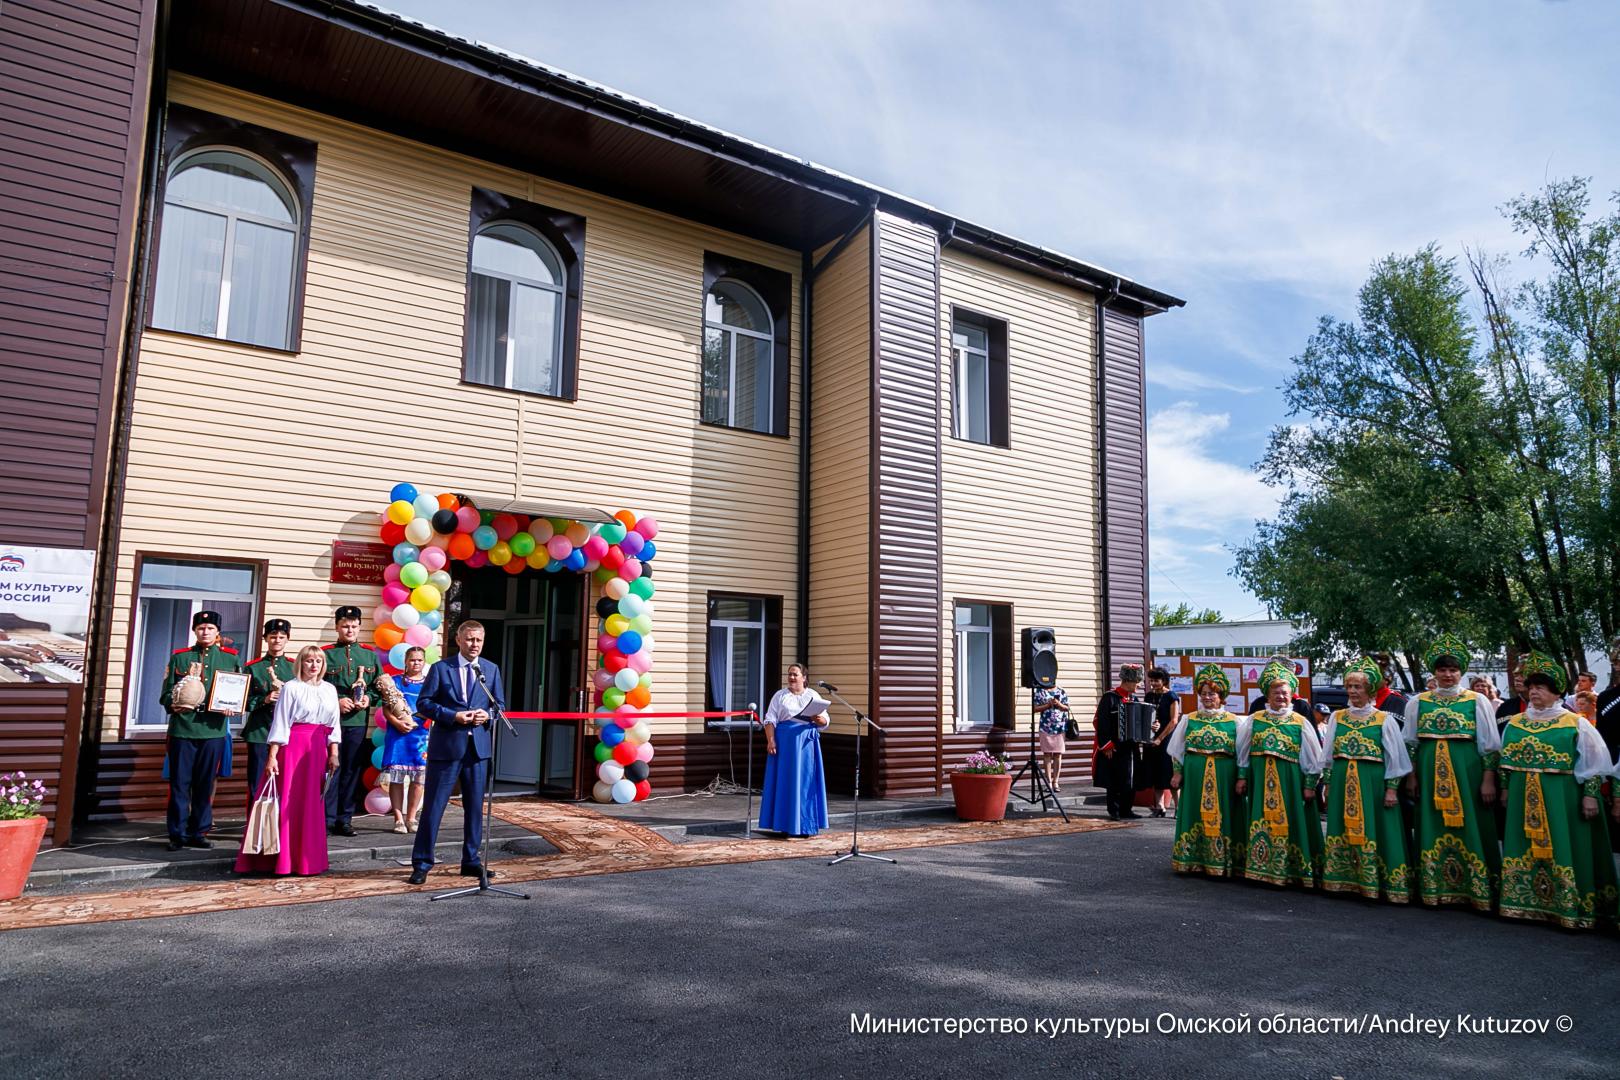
861, 719
484, 888
1039, 789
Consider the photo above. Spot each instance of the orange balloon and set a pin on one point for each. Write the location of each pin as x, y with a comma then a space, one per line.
626, 518
461, 545
387, 636
515, 566
639, 697
448, 501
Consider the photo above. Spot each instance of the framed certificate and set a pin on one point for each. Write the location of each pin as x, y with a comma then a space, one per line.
228, 695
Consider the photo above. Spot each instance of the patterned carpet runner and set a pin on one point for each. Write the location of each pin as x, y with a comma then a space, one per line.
587, 843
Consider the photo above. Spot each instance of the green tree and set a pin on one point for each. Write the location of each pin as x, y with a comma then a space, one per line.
1450, 478
1182, 615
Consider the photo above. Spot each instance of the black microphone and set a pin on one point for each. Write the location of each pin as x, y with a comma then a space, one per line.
828, 686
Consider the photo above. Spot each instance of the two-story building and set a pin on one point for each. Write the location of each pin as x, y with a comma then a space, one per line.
878, 439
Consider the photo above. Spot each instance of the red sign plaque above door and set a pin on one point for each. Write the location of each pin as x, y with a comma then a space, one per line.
358, 563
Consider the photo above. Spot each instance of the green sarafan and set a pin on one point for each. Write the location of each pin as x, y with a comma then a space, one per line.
1454, 452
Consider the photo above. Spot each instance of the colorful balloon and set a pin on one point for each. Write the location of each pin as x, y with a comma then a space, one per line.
396, 655
403, 492
448, 501
624, 754
434, 558
424, 506
643, 790
611, 734
445, 522
616, 587
419, 531
577, 533
395, 595
625, 679
505, 526
432, 619
400, 512
610, 772
624, 792
377, 801
613, 697
522, 544
404, 616
640, 697
467, 519
387, 636
631, 569
425, 598
648, 550
616, 624
647, 527
440, 579
632, 543
406, 553
484, 537
413, 574
629, 641
499, 554
602, 792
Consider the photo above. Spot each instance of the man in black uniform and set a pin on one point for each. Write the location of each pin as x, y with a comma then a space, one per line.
1114, 762
267, 673
350, 667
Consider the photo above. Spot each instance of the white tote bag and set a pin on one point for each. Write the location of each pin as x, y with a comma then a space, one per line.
263, 835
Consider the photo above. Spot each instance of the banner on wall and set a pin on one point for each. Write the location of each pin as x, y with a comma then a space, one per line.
44, 613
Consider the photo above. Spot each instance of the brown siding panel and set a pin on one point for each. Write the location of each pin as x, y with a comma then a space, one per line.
1123, 435
906, 547
73, 88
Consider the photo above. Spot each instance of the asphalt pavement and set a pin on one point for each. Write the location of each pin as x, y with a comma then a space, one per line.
768, 969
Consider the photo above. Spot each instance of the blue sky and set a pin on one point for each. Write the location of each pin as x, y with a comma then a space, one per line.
1253, 157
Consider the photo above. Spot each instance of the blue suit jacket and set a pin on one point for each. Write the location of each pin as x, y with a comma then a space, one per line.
441, 699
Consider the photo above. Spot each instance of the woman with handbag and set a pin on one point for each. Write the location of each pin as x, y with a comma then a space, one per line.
1052, 709
304, 739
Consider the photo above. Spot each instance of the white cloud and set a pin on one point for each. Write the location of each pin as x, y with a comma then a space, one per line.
1189, 488
1176, 377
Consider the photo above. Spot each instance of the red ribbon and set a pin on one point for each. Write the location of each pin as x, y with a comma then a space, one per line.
638, 716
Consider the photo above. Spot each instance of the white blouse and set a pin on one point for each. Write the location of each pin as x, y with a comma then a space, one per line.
305, 703
1487, 736
1397, 762
1591, 752
786, 705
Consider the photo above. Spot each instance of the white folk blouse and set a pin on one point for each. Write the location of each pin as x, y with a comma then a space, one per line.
786, 705
305, 703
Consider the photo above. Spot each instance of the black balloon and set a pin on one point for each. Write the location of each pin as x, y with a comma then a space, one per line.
646, 570
444, 522
606, 606
636, 770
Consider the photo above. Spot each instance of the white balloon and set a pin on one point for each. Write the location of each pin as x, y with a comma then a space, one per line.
610, 772
405, 616
625, 679
440, 579
419, 531
603, 792
624, 791
631, 606
639, 732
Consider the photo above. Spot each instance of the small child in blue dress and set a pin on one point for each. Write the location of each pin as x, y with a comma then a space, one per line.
405, 747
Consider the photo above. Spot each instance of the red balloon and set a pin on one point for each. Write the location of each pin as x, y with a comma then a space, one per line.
614, 661
505, 526
624, 753
369, 779
643, 789
614, 558
393, 534
516, 566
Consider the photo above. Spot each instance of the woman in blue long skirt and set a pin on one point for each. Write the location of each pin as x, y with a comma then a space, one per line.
794, 801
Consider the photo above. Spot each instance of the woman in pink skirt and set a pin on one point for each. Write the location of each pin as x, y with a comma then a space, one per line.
304, 738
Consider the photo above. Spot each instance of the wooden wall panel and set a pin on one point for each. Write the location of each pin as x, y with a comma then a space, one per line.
303, 448
1039, 495
905, 557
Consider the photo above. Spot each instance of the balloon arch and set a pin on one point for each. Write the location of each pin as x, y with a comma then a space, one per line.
428, 532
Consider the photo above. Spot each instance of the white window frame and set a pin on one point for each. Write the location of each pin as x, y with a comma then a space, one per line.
232, 216
198, 602
960, 351
559, 295
963, 723
730, 627
729, 335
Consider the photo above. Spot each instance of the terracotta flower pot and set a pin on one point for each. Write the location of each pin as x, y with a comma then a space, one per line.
980, 796
19, 843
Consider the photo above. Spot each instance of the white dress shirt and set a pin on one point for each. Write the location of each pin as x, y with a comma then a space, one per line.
305, 703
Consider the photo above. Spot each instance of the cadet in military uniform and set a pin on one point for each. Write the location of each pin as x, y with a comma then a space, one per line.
197, 737
350, 667
268, 672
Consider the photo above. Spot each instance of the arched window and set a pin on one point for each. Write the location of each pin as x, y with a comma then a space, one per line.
227, 248
515, 315
738, 357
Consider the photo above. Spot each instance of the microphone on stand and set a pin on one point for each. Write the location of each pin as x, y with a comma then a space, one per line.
500, 713
828, 686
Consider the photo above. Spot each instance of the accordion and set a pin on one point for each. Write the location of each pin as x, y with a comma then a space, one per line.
1136, 719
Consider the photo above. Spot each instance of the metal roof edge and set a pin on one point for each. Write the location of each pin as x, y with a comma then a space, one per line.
605, 100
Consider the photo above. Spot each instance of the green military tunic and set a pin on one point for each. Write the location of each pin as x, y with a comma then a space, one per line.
1212, 823
260, 711
198, 723
1365, 851
346, 664
1454, 741
1285, 829
1556, 864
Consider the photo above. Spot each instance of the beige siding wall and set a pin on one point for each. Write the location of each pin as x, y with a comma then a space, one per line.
1020, 524
241, 452
840, 474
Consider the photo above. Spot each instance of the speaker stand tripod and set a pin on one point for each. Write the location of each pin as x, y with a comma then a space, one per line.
1039, 789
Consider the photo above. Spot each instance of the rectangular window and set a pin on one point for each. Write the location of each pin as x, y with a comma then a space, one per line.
744, 651
979, 405
168, 593
984, 680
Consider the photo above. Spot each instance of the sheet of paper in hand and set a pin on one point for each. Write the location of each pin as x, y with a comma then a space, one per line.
811, 711
229, 693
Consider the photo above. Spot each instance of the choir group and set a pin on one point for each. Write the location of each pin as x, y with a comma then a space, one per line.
1249, 805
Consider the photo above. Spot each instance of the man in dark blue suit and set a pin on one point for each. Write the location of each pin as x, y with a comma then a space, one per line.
459, 703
